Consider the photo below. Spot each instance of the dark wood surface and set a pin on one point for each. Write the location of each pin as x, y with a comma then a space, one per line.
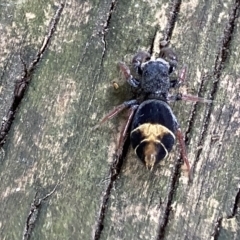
59, 176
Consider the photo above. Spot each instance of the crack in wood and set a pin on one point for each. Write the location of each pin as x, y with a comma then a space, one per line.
235, 211
193, 113
221, 58
100, 34
153, 41
114, 171
175, 9
217, 229
105, 28
116, 166
236, 205
219, 64
165, 219
34, 213
22, 84
163, 222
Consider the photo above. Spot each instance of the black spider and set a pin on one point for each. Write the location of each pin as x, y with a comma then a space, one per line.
154, 127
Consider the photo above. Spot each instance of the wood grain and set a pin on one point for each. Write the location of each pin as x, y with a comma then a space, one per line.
52, 138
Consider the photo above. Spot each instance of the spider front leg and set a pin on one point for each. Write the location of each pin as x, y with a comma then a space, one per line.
169, 55
127, 74
138, 59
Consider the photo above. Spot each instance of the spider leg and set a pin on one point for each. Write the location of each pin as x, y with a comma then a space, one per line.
127, 74
183, 150
188, 97
116, 111
139, 58
124, 130
169, 55
175, 83
182, 75
137, 61
174, 98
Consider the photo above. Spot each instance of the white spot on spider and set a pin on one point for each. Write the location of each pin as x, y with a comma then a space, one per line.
162, 61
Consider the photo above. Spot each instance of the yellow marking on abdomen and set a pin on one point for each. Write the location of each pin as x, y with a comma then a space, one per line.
150, 148
152, 131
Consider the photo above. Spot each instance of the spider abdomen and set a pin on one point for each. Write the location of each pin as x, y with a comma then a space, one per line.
153, 131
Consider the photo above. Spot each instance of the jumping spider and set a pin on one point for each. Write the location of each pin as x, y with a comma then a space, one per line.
153, 125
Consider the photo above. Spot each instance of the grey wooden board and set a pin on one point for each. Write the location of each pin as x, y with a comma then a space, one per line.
52, 138
204, 210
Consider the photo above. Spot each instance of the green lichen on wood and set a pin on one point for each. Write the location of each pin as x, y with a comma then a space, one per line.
53, 139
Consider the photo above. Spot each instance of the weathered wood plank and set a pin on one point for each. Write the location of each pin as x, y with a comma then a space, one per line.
52, 139
135, 204
52, 131
200, 209
198, 36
